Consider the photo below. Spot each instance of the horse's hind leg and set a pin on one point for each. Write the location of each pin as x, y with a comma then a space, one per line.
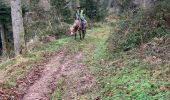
83, 33
80, 35
75, 35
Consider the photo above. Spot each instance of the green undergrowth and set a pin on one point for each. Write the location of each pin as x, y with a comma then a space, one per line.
134, 79
132, 30
123, 77
57, 94
134, 76
15, 68
96, 53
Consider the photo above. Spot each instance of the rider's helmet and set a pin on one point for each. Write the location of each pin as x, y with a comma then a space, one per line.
78, 7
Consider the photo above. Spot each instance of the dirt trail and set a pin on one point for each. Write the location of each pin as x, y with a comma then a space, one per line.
78, 79
41, 88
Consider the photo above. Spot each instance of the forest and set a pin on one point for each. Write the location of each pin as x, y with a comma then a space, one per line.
84, 49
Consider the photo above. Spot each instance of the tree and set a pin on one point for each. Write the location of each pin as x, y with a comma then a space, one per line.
94, 9
62, 7
17, 24
45, 4
5, 21
2, 36
77, 2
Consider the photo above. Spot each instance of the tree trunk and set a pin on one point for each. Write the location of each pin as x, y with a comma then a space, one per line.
144, 4
18, 28
45, 4
73, 4
4, 49
77, 2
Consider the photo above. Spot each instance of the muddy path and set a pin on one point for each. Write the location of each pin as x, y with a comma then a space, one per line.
41, 81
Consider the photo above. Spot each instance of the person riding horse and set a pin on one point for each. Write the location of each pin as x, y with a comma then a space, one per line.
80, 16
80, 24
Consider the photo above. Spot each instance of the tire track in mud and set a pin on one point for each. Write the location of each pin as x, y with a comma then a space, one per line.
78, 79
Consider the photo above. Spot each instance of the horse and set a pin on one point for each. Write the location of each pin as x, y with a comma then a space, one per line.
77, 27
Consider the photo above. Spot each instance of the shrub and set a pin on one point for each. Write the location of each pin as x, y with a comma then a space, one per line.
63, 9
94, 9
39, 22
136, 29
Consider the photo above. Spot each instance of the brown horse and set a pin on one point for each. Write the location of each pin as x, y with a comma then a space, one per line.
77, 27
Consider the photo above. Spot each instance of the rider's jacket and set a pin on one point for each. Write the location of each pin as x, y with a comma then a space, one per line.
80, 14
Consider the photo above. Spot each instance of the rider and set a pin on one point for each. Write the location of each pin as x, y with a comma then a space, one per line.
80, 16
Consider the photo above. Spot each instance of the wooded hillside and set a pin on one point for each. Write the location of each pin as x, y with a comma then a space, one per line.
84, 49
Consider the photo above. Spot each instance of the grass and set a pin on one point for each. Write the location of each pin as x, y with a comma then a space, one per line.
121, 77
132, 81
57, 94
17, 67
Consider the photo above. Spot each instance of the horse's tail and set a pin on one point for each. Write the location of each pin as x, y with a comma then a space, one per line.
86, 23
